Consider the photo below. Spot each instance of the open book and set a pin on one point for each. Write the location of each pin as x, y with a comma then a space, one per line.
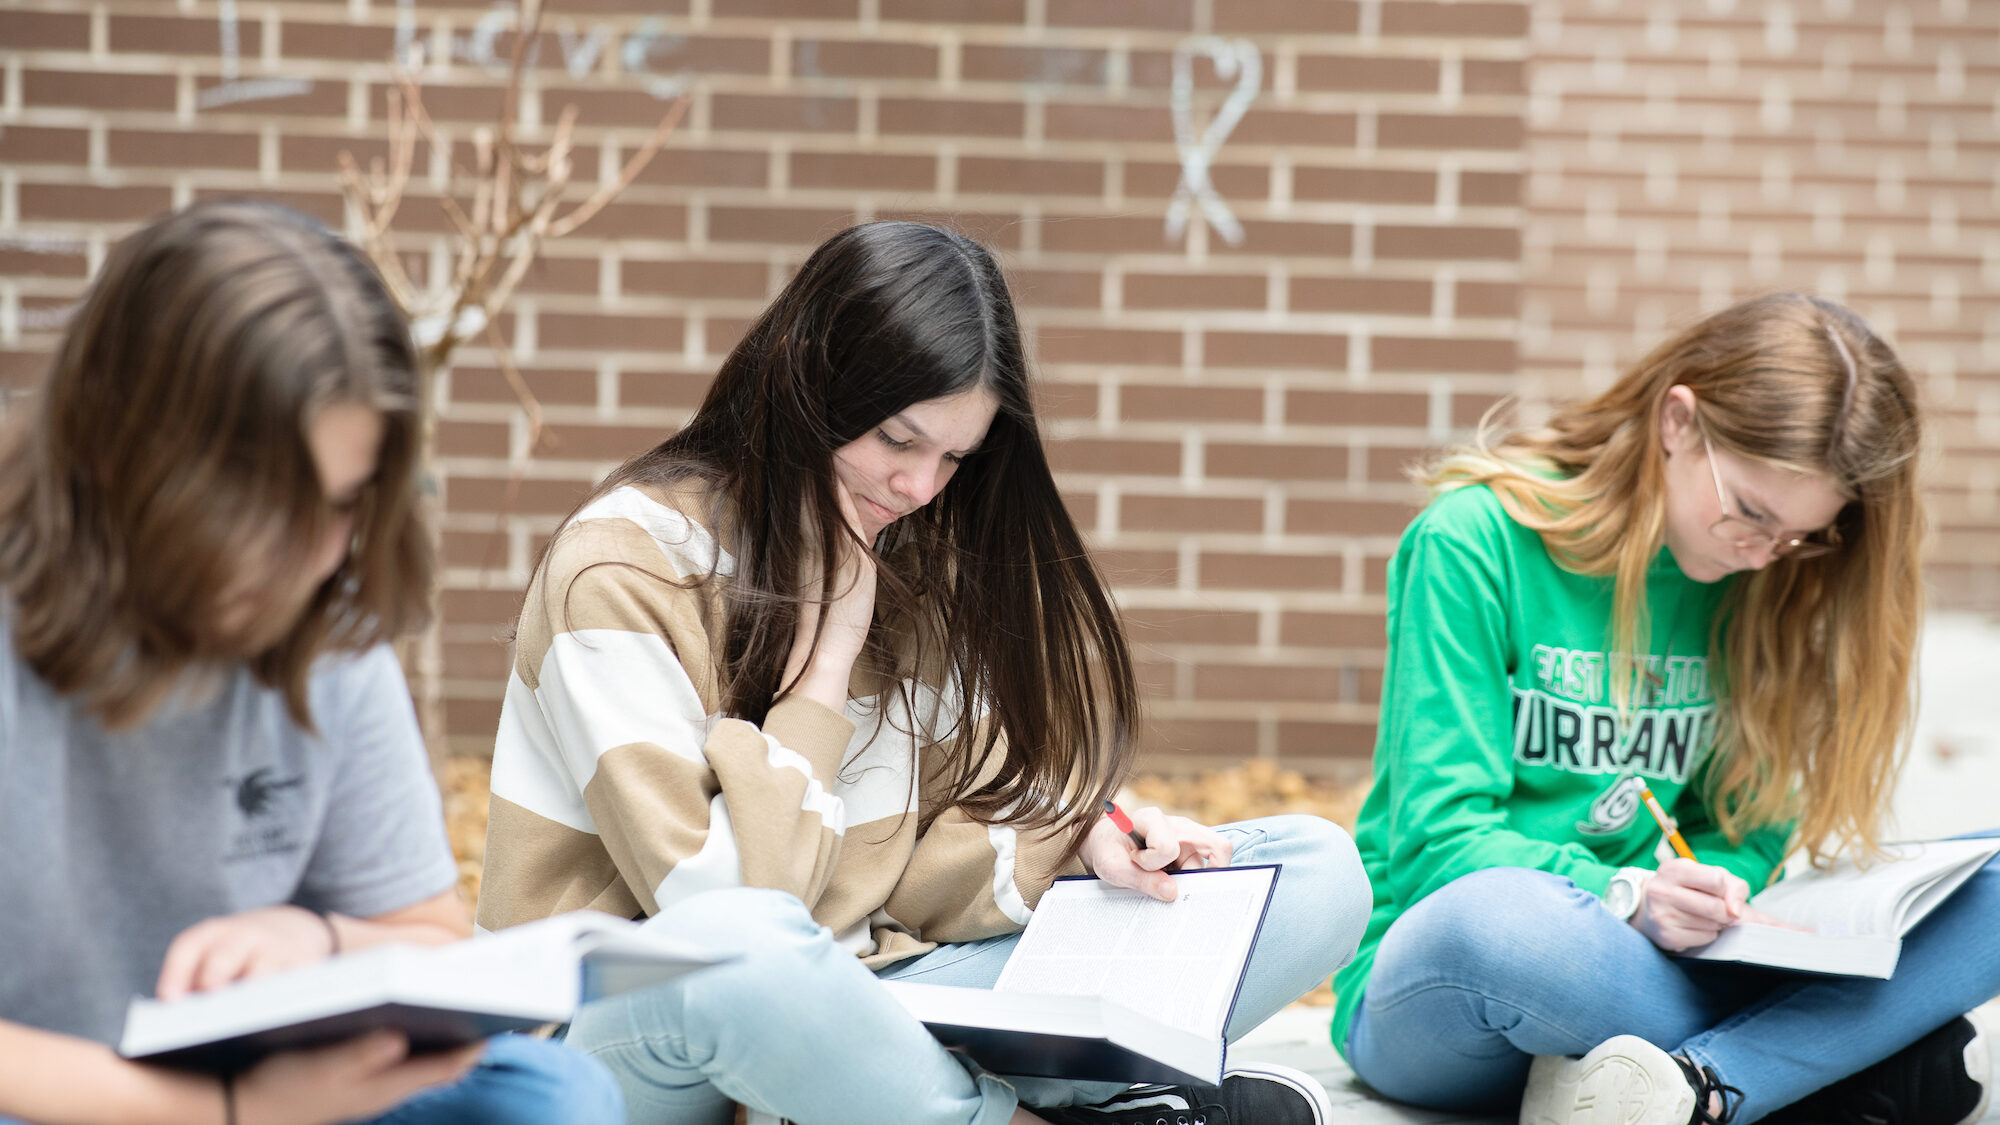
1109, 984
1856, 917
440, 996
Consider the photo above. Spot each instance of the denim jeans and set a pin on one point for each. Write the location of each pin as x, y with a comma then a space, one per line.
796, 1026
520, 1080
1507, 963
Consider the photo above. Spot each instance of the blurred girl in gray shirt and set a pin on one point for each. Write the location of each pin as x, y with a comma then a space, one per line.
209, 765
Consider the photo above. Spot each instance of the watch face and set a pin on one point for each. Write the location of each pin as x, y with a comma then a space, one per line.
1621, 897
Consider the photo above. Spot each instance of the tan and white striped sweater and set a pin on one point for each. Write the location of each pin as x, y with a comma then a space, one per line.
619, 786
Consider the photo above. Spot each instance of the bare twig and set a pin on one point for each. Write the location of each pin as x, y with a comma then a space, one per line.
502, 210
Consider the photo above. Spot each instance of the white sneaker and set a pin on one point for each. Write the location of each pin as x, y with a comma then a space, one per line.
1622, 1081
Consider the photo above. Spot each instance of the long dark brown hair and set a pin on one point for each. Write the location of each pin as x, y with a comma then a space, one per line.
991, 576
164, 458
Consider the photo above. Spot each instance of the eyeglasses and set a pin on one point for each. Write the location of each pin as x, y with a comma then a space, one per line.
1747, 534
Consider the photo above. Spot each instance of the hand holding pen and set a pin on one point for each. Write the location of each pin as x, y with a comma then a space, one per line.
1144, 850
1688, 903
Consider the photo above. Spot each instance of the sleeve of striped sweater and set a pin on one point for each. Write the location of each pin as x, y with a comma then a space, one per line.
967, 880
611, 722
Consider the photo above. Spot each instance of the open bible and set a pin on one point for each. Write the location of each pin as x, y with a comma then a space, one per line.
1852, 919
440, 996
1109, 984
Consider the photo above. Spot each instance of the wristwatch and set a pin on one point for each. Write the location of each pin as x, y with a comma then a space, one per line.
1627, 887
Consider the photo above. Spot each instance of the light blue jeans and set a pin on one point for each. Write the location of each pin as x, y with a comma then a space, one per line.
796, 1026
1507, 963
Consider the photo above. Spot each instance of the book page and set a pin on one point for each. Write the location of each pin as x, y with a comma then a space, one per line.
1855, 917
1879, 901
1178, 962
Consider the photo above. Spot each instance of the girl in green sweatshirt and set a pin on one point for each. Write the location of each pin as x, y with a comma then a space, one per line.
1704, 583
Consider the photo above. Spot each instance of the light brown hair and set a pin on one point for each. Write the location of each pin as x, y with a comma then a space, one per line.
164, 458
1816, 653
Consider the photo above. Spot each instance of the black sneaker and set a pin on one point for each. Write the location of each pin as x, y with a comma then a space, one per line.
1250, 1094
1945, 1078
1627, 1080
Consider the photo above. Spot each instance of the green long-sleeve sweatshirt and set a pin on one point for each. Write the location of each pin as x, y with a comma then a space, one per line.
1500, 744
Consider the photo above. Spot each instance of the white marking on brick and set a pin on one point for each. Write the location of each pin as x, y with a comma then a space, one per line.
1451, 78
1232, 58
48, 319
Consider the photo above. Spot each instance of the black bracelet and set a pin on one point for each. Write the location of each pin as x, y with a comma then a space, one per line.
228, 1099
332, 934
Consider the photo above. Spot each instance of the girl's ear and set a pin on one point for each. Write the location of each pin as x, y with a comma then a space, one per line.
1676, 419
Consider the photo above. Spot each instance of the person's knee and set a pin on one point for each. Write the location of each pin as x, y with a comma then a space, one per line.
1324, 876
522, 1080
1483, 925
738, 920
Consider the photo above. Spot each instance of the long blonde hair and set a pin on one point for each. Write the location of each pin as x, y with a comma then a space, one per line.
1816, 654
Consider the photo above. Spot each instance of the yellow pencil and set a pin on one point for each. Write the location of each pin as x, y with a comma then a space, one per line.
1673, 834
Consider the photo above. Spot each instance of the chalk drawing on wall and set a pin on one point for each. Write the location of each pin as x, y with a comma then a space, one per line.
1234, 59
235, 88
582, 48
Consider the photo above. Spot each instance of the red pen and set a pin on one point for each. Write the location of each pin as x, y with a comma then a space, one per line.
1124, 824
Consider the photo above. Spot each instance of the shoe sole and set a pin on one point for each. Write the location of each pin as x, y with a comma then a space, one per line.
1979, 1057
1305, 1084
1622, 1081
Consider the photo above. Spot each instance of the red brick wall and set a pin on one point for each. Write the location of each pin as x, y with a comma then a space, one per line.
1231, 420
1683, 156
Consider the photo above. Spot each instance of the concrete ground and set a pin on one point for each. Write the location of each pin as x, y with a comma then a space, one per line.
1950, 785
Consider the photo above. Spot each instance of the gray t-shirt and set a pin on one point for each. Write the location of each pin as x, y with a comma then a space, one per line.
112, 843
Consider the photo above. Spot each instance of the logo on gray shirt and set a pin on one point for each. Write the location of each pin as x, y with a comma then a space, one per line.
257, 794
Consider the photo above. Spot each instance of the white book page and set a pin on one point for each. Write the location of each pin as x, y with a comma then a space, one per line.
1847, 901
1177, 962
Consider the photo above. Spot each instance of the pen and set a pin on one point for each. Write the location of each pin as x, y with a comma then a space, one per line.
1673, 833
1124, 824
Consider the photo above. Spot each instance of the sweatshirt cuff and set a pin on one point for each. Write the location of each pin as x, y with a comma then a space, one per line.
815, 732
